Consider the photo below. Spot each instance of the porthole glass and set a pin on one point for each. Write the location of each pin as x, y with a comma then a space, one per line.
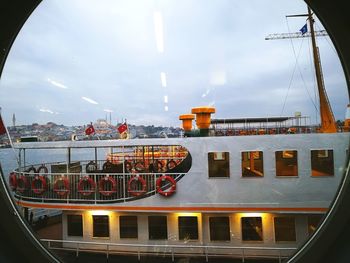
141, 123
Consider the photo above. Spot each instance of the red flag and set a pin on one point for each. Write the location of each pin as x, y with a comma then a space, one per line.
2, 127
122, 128
90, 130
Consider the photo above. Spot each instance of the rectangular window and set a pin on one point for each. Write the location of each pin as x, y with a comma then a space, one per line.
252, 229
313, 222
128, 227
100, 226
219, 164
219, 228
322, 163
286, 163
188, 227
75, 225
157, 227
252, 164
285, 229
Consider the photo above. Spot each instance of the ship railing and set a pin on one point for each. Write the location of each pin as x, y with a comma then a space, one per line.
171, 250
239, 131
119, 187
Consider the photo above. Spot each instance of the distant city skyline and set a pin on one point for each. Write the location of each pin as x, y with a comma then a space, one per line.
149, 61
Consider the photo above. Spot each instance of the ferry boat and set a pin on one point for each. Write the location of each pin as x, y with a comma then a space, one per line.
233, 188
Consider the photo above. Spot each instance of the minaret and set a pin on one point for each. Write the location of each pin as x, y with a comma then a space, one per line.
14, 120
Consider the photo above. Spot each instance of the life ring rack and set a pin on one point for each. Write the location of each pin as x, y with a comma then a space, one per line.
42, 181
56, 187
136, 179
102, 186
162, 179
13, 181
86, 180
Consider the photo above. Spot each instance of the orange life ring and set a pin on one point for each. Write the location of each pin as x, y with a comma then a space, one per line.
162, 179
22, 184
102, 186
44, 168
61, 191
13, 181
90, 183
131, 185
42, 181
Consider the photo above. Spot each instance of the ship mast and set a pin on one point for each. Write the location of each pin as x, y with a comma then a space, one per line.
328, 124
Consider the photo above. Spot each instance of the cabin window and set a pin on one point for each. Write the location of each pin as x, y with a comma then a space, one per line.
75, 225
100, 226
286, 163
322, 163
128, 227
252, 164
219, 164
313, 222
219, 228
284, 229
157, 227
188, 227
252, 229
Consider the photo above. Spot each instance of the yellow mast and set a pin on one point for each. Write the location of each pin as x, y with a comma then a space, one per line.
328, 124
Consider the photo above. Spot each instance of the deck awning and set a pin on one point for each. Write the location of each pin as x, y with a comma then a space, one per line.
251, 120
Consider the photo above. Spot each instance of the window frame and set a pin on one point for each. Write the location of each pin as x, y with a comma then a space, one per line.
82, 225
262, 229
179, 228
275, 232
210, 229
226, 160
128, 227
93, 227
166, 237
322, 157
260, 158
287, 158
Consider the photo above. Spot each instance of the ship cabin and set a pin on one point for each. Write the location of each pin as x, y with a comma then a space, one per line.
227, 196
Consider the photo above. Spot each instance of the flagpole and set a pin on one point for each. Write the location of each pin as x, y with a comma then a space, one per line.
9, 137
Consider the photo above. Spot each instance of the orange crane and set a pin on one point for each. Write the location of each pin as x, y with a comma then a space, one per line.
328, 123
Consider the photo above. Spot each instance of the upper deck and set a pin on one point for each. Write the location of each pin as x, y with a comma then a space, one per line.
289, 172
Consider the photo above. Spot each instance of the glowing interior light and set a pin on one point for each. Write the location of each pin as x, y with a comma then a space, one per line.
163, 79
165, 99
89, 100
166, 108
158, 29
99, 212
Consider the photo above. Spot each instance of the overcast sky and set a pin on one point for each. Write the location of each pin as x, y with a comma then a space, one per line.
150, 61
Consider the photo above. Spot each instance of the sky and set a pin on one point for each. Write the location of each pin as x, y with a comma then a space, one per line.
150, 61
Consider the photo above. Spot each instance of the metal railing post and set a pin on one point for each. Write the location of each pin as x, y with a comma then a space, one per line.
206, 254
138, 254
172, 254
243, 256
107, 251
77, 253
279, 256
